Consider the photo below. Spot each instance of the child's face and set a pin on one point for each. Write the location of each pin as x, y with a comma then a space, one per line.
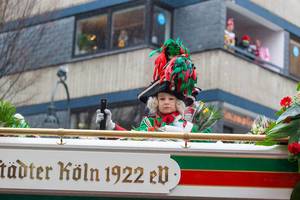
230, 27
166, 103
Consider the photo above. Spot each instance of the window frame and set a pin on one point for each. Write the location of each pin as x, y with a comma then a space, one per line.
111, 47
293, 39
148, 12
75, 33
162, 6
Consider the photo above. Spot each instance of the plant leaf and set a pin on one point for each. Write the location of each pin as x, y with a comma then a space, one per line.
283, 130
293, 111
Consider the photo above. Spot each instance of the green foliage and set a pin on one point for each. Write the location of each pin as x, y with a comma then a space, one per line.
8, 117
205, 116
291, 112
266, 142
85, 42
7, 112
288, 122
298, 86
287, 126
282, 130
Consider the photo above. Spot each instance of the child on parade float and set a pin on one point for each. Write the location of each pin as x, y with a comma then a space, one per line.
174, 80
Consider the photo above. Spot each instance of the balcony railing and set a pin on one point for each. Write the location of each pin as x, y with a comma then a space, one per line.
252, 58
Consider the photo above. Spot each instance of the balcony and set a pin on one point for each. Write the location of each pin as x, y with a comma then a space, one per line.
228, 72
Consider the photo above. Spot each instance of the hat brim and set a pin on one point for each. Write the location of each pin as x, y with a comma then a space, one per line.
156, 88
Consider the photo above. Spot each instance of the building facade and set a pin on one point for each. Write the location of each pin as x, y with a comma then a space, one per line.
105, 46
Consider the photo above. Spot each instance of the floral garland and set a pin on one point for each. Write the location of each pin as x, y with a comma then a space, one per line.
286, 126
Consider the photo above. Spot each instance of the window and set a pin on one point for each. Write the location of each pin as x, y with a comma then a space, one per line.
91, 34
255, 39
128, 27
161, 25
294, 49
119, 28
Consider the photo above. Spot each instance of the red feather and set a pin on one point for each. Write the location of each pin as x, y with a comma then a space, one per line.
181, 51
160, 62
194, 75
169, 69
187, 75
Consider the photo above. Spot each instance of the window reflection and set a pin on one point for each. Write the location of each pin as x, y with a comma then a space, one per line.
91, 34
128, 27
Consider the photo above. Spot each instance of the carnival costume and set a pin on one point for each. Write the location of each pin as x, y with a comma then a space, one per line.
174, 73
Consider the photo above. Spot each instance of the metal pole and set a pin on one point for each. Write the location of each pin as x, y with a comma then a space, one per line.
62, 80
68, 102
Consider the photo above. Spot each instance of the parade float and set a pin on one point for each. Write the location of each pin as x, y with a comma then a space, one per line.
167, 166
152, 162
109, 164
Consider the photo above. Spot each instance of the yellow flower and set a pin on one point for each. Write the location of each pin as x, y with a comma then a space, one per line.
205, 110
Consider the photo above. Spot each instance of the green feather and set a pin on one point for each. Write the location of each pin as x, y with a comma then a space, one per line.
177, 70
155, 51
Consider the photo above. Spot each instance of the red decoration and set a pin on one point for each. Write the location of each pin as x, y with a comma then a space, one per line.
286, 101
168, 119
169, 70
151, 128
294, 148
160, 62
246, 37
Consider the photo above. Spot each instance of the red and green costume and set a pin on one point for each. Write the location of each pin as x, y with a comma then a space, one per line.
170, 122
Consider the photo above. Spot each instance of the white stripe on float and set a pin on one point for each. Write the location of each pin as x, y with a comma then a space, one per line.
232, 192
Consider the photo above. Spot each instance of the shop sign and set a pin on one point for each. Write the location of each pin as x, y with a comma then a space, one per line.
239, 119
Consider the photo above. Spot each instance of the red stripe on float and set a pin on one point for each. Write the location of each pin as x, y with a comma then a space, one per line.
242, 179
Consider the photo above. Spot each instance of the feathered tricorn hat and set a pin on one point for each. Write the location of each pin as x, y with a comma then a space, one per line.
173, 73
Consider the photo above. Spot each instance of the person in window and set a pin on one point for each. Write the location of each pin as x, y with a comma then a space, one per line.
174, 78
261, 52
123, 39
229, 35
246, 47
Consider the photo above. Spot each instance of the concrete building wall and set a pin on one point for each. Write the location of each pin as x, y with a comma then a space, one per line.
41, 45
222, 70
45, 5
201, 26
90, 77
121, 72
16, 9
288, 10
56, 44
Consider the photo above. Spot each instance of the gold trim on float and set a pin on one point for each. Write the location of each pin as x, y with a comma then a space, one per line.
132, 134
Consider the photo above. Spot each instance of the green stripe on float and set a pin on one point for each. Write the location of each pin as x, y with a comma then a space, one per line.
235, 164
